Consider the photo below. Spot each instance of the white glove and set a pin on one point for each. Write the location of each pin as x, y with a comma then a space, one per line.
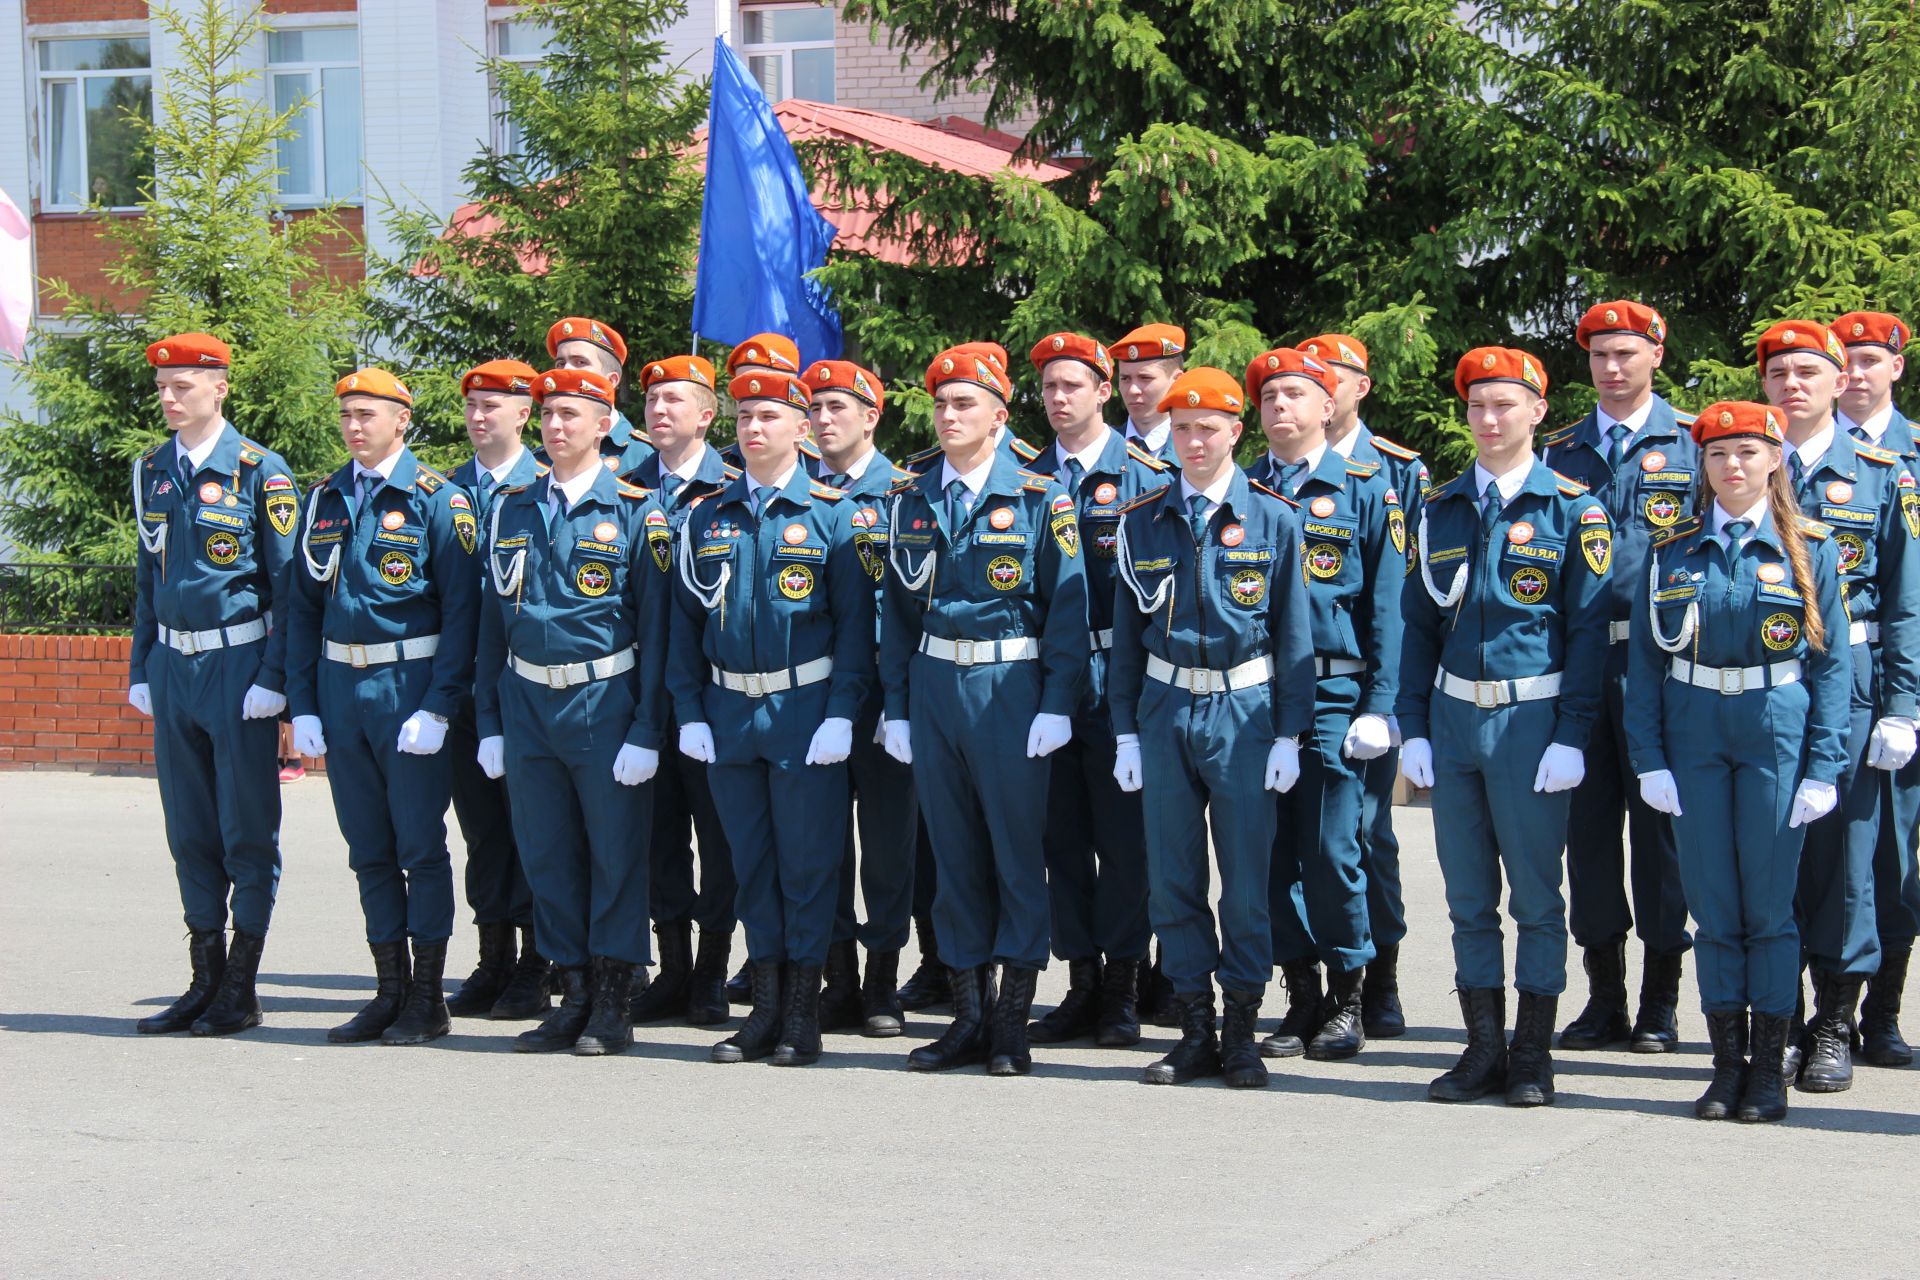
1416, 761
422, 735
635, 765
1561, 768
1126, 761
1368, 738
141, 699
1660, 791
1047, 735
1283, 765
832, 741
1892, 744
696, 742
1812, 802
262, 704
493, 756
308, 740
1393, 730
900, 741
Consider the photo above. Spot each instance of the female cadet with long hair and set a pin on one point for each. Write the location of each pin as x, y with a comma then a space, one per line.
1736, 720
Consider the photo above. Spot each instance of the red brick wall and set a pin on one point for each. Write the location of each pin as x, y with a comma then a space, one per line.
63, 705
86, 10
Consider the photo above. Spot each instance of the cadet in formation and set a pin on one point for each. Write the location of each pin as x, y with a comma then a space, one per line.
380, 634
576, 342
1736, 720
1145, 363
215, 514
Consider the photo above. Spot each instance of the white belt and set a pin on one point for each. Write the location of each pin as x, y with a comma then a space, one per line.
969, 653
1100, 640
1617, 632
757, 684
1488, 694
1863, 633
1732, 680
1248, 675
192, 642
374, 655
568, 674
1324, 667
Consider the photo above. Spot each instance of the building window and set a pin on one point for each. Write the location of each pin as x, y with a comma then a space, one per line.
95, 95
523, 42
789, 49
314, 72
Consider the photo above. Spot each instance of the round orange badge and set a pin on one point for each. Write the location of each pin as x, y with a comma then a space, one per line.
1322, 507
1002, 518
1520, 534
1232, 536
613, 464
393, 520
1105, 493
210, 492
795, 534
1839, 491
1770, 573
606, 531
1653, 461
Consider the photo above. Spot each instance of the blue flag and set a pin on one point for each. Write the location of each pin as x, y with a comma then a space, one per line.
759, 231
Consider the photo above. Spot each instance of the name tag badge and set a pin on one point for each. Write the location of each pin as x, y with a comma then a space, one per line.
1543, 552
1340, 532
219, 519
598, 547
1001, 539
1446, 554
1779, 591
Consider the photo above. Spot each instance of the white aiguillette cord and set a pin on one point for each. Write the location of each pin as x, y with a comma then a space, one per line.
154, 539
1689, 621
322, 571
912, 579
1161, 595
1451, 596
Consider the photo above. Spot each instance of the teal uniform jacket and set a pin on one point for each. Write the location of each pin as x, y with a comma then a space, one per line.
1009, 446
622, 450
677, 496
526, 468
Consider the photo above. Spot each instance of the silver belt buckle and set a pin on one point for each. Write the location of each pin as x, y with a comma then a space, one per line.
1733, 680
963, 653
1199, 680
1486, 694
357, 655
189, 644
556, 677
754, 687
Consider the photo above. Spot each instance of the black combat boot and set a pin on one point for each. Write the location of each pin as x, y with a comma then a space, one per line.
759, 1035
424, 1015
1795, 1052
1078, 1012
1483, 1067
1342, 1035
740, 985
207, 953
609, 1026
1117, 1023
666, 995
1157, 1001
1829, 1064
1198, 1053
928, 984
707, 983
800, 1004
840, 1005
476, 996
879, 1000
968, 1039
1304, 1011
1530, 1058
391, 974
1239, 1056
1009, 1054
235, 1005
1880, 1040
1380, 1013
528, 992
562, 1027
1656, 1027
1765, 1095
1604, 1020
1727, 1032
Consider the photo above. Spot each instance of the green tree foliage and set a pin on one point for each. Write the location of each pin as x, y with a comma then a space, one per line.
206, 252
597, 214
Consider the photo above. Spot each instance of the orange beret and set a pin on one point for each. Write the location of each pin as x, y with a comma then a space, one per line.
1499, 364
1872, 328
781, 387
968, 363
189, 351
677, 369
1204, 388
581, 329
767, 350
1635, 318
507, 376
1337, 348
584, 383
1073, 346
992, 352
1151, 342
844, 375
1801, 335
377, 383
1731, 418
1288, 362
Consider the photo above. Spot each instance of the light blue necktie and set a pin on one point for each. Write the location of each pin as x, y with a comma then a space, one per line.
1198, 516
1075, 472
956, 503
1490, 505
1616, 444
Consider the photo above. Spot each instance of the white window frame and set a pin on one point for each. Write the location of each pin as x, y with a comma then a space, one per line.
315, 139
50, 33
497, 18
784, 50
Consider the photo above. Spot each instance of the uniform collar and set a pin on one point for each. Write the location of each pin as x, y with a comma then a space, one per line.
1235, 496
622, 433
221, 452
797, 488
1654, 420
1873, 430
597, 484
1511, 485
1154, 438
1831, 450
399, 471
1092, 458
1330, 469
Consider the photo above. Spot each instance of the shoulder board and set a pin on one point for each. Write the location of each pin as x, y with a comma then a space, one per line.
825, 492
732, 473
539, 469
250, 455
505, 489
1874, 454
807, 447
1024, 451
1146, 459
1814, 529
901, 473
1395, 450
915, 463
626, 490
1033, 483
1362, 468
1151, 495
428, 480
1556, 438
1685, 529
1682, 418
1569, 486
1258, 487
155, 452
902, 486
